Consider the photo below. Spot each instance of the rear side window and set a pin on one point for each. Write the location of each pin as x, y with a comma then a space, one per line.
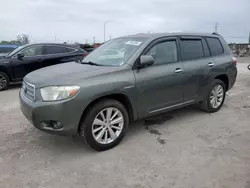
164, 52
70, 49
54, 49
215, 46
191, 49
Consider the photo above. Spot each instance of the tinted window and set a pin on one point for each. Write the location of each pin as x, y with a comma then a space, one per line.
32, 51
164, 52
215, 46
54, 49
71, 49
191, 49
6, 49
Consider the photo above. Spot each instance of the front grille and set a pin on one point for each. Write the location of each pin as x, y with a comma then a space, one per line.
29, 90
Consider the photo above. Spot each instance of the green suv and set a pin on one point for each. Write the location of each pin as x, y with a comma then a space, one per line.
127, 79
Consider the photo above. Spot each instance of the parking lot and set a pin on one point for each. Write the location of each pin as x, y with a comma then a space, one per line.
184, 148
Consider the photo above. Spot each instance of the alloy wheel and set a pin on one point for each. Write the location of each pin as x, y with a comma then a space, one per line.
216, 96
107, 125
3, 81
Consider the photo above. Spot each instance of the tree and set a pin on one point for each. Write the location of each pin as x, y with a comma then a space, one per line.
23, 38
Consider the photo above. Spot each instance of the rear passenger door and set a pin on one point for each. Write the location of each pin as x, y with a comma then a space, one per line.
196, 59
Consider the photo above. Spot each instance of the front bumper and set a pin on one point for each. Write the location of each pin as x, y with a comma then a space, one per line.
40, 114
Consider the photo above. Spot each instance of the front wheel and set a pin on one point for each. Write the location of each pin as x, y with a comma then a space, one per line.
216, 97
248, 67
104, 125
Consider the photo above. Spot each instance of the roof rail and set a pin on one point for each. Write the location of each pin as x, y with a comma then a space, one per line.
214, 33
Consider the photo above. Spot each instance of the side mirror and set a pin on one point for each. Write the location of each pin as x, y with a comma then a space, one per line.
20, 56
146, 60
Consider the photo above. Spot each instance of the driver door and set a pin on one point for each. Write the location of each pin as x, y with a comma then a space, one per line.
160, 86
31, 60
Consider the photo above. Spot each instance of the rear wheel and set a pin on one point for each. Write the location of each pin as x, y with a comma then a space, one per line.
104, 125
216, 97
4, 81
248, 67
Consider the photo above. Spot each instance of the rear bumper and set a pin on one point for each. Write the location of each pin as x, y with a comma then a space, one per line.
232, 78
41, 114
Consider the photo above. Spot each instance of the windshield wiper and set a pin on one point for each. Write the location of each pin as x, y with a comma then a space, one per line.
91, 63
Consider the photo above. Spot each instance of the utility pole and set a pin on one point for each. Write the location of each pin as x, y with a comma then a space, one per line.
216, 27
110, 37
94, 39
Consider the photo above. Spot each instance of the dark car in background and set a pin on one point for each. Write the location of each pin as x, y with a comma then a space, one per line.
27, 58
7, 48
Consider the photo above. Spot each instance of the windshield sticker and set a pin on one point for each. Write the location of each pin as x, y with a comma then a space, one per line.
135, 43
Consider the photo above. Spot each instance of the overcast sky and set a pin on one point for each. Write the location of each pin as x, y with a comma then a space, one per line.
78, 20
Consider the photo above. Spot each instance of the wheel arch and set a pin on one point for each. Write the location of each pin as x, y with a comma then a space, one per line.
3, 69
224, 79
122, 98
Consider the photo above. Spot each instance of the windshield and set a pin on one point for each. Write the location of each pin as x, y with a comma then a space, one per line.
115, 52
16, 50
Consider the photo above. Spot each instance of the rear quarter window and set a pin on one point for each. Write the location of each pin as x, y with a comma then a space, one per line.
215, 46
53, 49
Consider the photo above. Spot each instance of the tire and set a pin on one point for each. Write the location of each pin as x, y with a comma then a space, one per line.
248, 67
206, 104
4, 81
87, 126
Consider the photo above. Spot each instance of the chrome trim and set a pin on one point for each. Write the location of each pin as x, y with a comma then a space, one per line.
128, 87
165, 108
178, 70
34, 91
210, 64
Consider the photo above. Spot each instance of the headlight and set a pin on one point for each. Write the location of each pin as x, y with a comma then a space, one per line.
54, 93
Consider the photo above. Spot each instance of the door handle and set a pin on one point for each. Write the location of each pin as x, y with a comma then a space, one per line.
178, 70
210, 64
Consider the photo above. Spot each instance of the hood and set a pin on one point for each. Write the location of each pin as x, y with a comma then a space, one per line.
67, 73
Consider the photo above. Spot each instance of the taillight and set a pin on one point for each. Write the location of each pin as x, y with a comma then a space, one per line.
234, 60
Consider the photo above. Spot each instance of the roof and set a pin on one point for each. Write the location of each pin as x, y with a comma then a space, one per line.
61, 44
9, 45
156, 35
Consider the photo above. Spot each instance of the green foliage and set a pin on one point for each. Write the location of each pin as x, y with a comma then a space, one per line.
21, 39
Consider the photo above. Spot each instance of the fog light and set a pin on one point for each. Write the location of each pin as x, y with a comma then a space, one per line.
56, 125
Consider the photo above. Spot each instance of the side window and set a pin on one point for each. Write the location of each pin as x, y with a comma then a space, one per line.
32, 51
164, 52
54, 50
191, 49
70, 49
215, 46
